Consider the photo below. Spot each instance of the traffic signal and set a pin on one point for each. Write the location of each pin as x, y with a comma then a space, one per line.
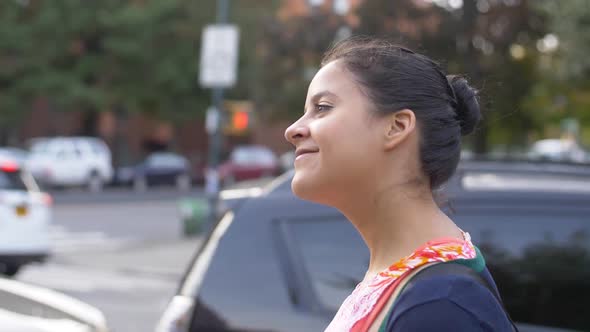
239, 117
239, 120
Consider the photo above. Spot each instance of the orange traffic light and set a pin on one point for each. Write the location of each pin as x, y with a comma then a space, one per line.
239, 117
239, 120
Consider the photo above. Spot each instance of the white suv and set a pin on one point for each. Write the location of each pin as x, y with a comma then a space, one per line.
25, 215
71, 161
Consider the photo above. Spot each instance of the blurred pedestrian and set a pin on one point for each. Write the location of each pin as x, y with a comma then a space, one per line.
381, 131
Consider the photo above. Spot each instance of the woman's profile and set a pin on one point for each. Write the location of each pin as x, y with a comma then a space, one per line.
381, 130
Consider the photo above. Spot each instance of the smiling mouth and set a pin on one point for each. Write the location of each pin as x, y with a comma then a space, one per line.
303, 154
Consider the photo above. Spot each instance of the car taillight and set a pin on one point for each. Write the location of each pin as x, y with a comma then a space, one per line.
9, 167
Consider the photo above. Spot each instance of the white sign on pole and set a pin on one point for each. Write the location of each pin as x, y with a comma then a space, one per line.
219, 56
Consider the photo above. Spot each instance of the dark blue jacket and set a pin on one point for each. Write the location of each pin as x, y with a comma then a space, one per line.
455, 303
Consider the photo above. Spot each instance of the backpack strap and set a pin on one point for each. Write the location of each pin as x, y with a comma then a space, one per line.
449, 268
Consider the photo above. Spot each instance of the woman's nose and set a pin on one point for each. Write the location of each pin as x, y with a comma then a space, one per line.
296, 131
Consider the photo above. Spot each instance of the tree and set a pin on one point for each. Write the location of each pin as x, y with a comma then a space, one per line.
93, 56
289, 51
564, 91
475, 39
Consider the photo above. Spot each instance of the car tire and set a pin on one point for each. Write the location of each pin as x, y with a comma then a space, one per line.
95, 183
10, 270
140, 184
183, 182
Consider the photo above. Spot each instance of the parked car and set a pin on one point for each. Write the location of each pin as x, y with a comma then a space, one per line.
27, 308
71, 161
559, 150
159, 168
17, 154
25, 216
277, 263
248, 162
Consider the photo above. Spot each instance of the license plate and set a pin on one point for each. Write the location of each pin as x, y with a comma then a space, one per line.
21, 211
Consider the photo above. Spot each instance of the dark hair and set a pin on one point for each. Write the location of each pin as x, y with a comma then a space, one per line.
395, 78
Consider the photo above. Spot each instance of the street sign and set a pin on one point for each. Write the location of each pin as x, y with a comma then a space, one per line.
219, 56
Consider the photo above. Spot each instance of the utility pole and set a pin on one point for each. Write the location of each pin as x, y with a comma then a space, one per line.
218, 71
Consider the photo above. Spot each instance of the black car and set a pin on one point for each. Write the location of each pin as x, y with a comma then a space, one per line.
160, 168
277, 263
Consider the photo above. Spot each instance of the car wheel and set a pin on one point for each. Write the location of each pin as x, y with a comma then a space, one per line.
95, 183
10, 270
183, 182
140, 184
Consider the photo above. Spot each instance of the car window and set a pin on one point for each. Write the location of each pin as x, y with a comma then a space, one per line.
11, 181
68, 152
539, 259
165, 160
520, 249
97, 147
333, 254
40, 147
265, 157
241, 157
252, 156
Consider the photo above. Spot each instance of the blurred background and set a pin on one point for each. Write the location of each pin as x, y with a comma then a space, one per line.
113, 145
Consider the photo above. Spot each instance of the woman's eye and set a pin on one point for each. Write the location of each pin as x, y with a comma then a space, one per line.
322, 107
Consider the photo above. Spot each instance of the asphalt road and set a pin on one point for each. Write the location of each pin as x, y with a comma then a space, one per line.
121, 252
120, 194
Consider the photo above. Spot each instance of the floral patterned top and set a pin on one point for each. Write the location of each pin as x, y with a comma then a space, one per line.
354, 314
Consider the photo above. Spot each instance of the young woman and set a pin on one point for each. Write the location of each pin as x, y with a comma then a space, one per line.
381, 130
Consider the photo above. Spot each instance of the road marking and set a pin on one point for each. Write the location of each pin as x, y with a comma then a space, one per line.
84, 279
64, 241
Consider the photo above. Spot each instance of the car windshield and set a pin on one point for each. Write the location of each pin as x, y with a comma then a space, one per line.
165, 160
253, 155
40, 147
11, 180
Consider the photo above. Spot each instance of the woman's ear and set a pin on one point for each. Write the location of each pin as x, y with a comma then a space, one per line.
399, 126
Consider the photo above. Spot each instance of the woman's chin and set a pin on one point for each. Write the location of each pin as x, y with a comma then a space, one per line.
304, 186
311, 190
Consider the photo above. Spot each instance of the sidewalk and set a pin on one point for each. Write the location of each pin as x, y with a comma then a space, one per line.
166, 259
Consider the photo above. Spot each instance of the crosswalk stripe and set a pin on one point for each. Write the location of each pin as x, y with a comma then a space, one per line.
64, 241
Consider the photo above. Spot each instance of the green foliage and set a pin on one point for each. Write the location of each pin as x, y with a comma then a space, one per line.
564, 88
97, 55
570, 21
473, 41
289, 53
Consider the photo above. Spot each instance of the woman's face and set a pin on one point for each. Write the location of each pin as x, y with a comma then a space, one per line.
336, 139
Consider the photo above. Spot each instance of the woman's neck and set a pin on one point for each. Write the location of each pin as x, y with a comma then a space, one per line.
396, 222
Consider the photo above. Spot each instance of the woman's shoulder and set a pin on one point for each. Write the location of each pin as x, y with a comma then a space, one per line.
458, 302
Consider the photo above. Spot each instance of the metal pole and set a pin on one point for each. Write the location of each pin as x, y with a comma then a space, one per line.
215, 138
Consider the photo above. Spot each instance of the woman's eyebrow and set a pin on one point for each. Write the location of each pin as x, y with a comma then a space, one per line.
324, 93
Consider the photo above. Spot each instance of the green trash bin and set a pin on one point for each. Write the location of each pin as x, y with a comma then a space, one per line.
193, 213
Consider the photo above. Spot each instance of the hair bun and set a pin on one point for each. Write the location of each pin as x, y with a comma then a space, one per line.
467, 106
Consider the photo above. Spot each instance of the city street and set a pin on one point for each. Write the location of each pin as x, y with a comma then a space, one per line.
119, 251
